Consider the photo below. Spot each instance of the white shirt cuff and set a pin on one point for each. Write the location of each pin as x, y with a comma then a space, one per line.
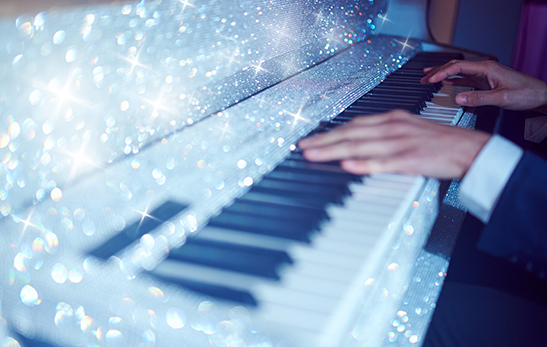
484, 182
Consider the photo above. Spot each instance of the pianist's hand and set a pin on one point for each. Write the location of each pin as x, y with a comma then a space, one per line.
397, 142
498, 84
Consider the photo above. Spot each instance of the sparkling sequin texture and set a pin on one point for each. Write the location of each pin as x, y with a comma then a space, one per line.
106, 112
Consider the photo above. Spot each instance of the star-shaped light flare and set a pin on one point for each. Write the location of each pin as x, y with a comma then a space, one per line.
384, 19
63, 95
184, 4
297, 117
261, 100
134, 61
224, 130
80, 159
258, 68
144, 214
158, 105
231, 58
26, 224
405, 44
325, 95
333, 38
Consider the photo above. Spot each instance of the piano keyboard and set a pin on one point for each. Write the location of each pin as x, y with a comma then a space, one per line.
300, 244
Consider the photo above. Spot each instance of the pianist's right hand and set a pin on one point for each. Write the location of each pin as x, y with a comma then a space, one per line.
498, 84
397, 142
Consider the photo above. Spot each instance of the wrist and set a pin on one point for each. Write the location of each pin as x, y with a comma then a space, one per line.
542, 108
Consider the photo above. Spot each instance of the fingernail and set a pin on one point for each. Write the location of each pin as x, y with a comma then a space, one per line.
461, 99
427, 69
303, 143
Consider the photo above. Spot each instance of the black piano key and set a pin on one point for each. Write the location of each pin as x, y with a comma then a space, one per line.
371, 111
305, 186
299, 156
405, 78
413, 86
439, 58
369, 106
287, 229
301, 190
252, 196
347, 117
309, 177
412, 73
394, 93
220, 292
404, 98
243, 259
135, 231
426, 92
313, 199
313, 166
384, 102
277, 211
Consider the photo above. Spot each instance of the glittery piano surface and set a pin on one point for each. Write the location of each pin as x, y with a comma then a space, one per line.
106, 112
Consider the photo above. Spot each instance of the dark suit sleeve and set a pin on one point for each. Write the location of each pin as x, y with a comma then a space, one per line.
517, 229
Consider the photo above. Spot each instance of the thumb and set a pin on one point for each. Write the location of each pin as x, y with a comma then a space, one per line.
480, 98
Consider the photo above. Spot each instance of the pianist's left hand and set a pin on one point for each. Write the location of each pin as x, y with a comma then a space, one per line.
397, 142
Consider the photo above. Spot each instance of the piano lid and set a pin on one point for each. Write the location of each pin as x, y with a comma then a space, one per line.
106, 81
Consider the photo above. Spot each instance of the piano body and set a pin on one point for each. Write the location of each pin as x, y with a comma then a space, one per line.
153, 193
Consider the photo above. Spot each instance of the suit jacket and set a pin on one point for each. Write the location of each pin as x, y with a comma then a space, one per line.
517, 229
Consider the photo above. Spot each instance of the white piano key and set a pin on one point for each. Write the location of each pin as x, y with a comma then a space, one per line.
293, 317
320, 286
205, 274
392, 178
279, 295
367, 200
388, 184
306, 267
323, 255
364, 237
352, 219
340, 247
245, 239
368, 190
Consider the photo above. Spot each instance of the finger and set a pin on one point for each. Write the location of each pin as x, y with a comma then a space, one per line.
480, 98
344, 132
392, 124
430, 71
356, 149
455, 68
360, 129
460, 82
376, 166
382, 118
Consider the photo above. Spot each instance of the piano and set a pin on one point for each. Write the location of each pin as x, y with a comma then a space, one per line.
154, 194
